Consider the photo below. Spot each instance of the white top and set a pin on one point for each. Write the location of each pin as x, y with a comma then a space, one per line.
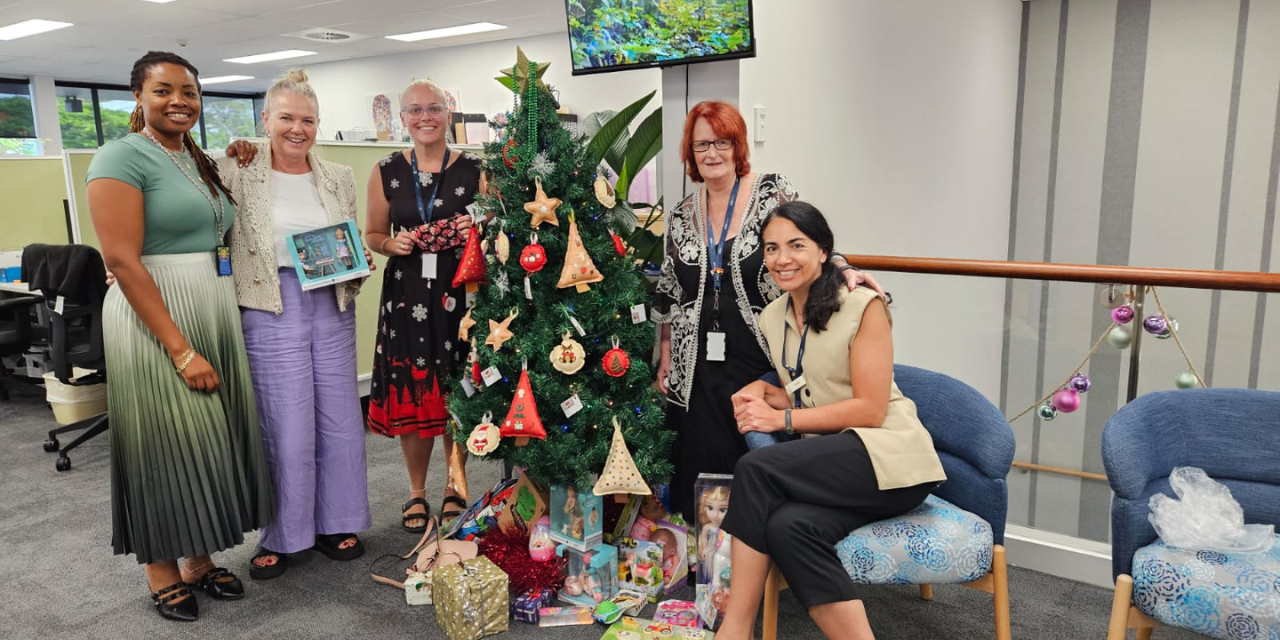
295, 207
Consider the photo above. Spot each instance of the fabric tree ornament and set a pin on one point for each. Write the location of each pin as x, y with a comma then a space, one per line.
484, 438
522, 421
568, 356
579, 271
464, 328
616, 361
472, 268
620, 475
604, 193
534, 255
500, 332
501, 246
542, 208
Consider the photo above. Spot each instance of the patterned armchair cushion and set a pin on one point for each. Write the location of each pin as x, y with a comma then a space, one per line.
935, 543
1228, 596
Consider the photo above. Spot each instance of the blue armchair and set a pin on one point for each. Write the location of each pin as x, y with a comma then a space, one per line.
1234, 435
957, 535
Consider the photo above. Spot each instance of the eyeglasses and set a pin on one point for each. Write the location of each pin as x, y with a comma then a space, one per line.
703, 145
416, 111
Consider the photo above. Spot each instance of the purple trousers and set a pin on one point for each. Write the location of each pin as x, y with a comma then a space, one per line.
303, 365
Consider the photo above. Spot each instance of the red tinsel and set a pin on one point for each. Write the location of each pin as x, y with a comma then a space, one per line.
510, 551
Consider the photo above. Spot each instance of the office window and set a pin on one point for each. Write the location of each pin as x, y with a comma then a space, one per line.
116, 107
228, 117
75, 117
17, 119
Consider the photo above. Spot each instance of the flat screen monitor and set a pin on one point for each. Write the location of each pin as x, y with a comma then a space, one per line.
616, 35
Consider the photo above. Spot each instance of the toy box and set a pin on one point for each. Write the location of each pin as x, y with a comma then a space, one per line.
591, 577
711, 503
629, 628
674, 540
640, 567
678, 613
576, 517
564, 616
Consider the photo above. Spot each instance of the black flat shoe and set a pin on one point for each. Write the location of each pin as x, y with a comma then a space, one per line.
176, 602
258, 572
406, 517
330, 544
213, 584
447, 515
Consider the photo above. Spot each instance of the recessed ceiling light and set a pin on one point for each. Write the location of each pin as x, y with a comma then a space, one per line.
268, 57
460, 30
221, 79
160, 1
30, 28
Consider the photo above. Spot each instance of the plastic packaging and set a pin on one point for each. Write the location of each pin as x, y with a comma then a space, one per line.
1205, 516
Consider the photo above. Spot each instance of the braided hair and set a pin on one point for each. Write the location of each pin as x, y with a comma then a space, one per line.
208, 169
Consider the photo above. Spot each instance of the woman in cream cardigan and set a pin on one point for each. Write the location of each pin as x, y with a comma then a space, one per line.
301, 344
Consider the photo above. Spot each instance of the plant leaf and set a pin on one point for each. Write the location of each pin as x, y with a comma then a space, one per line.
623, 218
509, 83
592, 124
644, 145
616, 126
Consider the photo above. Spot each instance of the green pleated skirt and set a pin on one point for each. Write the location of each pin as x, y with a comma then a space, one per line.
188, 474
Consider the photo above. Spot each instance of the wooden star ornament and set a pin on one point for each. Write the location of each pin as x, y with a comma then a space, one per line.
500, 332
519, 73
542, 208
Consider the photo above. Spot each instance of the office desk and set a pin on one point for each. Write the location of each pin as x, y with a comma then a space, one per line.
18, 288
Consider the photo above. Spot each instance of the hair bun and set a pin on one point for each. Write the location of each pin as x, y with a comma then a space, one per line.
296, 75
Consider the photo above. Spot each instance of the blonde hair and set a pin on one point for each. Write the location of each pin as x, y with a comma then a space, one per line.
293, 82
421, 83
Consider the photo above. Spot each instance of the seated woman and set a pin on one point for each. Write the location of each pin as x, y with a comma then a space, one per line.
792, 502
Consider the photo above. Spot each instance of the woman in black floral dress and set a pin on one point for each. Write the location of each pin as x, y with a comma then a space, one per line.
418, 219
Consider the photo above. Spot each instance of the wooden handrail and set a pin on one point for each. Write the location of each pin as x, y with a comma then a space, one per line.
1102, 274
1031, 466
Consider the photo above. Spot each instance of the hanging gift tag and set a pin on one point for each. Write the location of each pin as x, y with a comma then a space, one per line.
471, 298
475, 211
224, 260
571, 406
715, 346
429, 266
795, 385
491, 376
638, 314
468, 388
576, 326
528, 288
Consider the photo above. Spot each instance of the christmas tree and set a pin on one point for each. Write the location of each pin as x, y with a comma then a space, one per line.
577, 336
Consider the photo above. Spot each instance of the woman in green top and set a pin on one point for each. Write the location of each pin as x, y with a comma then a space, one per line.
188, 476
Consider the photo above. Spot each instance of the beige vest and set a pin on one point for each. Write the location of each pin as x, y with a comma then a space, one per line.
901, 449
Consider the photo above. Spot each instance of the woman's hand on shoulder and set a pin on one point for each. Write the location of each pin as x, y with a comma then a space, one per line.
244, 151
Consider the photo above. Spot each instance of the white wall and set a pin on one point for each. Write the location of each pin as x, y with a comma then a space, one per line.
344, 87
896, 119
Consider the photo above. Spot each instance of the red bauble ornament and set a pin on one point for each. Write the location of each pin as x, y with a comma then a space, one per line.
616, 361
471, 270
523, 421
534, 257
507, 158
618, 245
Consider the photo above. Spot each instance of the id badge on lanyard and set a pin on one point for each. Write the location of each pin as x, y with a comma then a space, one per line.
715, 249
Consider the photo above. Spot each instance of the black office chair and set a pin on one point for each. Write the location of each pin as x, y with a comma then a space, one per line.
15, 338
71, 279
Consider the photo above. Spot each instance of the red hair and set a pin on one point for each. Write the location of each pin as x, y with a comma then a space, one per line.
727, 122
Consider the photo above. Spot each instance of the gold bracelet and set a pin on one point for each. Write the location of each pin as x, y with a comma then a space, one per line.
186, 360
382, 248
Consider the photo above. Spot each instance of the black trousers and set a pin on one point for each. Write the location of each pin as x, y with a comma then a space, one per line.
794, 501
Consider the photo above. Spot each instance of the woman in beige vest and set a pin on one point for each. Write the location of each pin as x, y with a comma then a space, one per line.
791, 502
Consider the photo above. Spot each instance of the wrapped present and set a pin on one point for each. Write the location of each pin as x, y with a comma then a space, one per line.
525, 608
545, 595
471, 599
417, 588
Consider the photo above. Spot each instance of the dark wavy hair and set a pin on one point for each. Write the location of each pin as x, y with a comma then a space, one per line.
824, 293
208, 168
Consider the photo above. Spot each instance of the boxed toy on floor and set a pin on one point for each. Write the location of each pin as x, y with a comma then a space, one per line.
629, 628
471, 599
591, 577
711, 501
640, 567
576, 517
564, 616
675, 547
678, 613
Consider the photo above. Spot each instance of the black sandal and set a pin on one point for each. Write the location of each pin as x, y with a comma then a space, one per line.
214, 583
406, 517
259, 572
176, 602
330, 544
447, 515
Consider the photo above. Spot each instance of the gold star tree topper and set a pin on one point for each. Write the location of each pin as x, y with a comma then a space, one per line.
519, 73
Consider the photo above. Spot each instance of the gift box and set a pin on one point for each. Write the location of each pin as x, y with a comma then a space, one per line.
576, 517
712, 592
525, 608
564, 616
629, 628
675, 552
640, 567
417, 588
678, 613
471, 599
523, 504
591, 577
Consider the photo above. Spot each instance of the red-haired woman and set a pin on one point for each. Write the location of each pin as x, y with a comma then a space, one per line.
713, 285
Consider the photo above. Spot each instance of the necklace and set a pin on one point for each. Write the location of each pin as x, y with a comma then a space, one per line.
218, 207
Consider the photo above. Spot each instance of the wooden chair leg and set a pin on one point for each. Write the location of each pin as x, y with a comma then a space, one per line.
926, 592
1144, 633
1000, 584
1120, 608
772, 590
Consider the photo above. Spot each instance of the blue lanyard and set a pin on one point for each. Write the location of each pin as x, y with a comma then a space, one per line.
426, 213
798, 370
716, 248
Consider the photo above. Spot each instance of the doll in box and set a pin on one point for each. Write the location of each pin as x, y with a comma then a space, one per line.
713, 504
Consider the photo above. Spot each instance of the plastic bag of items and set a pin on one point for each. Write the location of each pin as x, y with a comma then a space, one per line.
1205, 516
